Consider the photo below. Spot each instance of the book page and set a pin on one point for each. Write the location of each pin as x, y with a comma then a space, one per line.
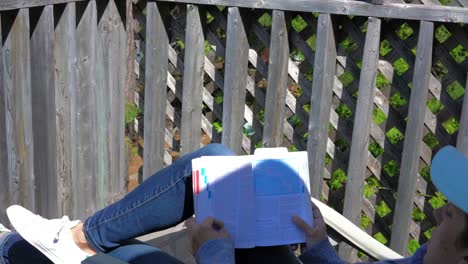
223, 188
281, 190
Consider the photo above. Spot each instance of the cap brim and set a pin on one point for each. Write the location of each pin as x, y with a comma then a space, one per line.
449, 172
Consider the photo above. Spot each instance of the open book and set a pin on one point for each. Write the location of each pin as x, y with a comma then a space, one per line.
255, 196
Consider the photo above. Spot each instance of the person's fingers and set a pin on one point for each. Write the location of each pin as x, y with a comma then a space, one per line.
302, 224
218, 224
192, 226
316, 211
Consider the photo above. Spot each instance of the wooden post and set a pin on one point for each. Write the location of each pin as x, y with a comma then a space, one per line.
277, 82
17, 88
362, 122
322, 91
85, 180
4, 195
157, 42
65, 96
462, 140
237, 54
193, 81
110, 104
43, 111
413, 140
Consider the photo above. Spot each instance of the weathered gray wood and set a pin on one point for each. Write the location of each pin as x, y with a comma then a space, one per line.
355, 8
65, 90
17, 4
360, 140
277, 82
4, 195
322, 90
462, 140
193, 81
413, 138
157, 42
85, 179
43, 110
110, 104
237, 54
17, 85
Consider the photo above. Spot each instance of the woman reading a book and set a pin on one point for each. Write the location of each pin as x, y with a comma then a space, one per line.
166, 199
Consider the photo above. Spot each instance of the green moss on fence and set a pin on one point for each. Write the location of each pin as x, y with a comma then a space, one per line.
385, 47
381, 81
341, 144
337, 180
435, 106
371, 186
438, 200
132, 111
439, 69
381, 238
398, 101
442, 34
298, 23
383, 209
451, 126
459, 54
312, 42
426, 173
400, 66
394, 135
349, 45
392, 168
343, 111
431, 140
413, 245
376, 149
378, 116
265, 20
418, 215
455, 90
405, 31
346, 78
365, 221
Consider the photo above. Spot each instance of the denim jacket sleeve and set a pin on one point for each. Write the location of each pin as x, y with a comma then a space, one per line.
323, 252
216, 251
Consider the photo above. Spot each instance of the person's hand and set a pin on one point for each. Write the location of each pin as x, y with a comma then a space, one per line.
210, 229
313, 234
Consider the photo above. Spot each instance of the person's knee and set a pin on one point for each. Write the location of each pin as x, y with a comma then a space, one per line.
216, 149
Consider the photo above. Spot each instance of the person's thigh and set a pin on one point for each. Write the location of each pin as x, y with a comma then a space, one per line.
142, 254
16, 250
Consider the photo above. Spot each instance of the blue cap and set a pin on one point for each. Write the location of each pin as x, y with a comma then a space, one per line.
449, 172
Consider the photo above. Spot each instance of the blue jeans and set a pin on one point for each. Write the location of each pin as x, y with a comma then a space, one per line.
16, 250
163, 200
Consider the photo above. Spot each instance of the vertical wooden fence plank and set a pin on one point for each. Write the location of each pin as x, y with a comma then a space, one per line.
17, 85
86, 200
65, 96
43, 110
277, 82
110, 107
155, 90
413, 140
360, 139
4, 195
193, 81
462, 140
322, 91
237, 55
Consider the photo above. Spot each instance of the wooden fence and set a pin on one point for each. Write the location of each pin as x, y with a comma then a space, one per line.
370, 91
62, 77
